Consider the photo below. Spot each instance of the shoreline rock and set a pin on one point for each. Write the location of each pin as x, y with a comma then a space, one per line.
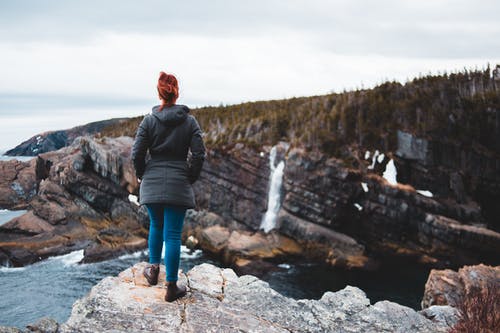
76, 198
220, 301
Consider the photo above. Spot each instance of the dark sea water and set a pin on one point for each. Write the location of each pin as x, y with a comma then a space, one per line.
402, 283
50, 287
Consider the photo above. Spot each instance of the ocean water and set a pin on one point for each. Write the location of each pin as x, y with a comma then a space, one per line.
50, 287
400, 282
8, 158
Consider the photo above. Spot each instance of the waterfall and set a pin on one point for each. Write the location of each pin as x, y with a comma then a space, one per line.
273, 199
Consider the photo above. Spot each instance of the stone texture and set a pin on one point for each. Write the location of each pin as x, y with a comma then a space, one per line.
219, 301
77, 198
412, 148
44, 325
394, 220
443, 314
446, 287
233, 184
18, 183
246, 251
214, 239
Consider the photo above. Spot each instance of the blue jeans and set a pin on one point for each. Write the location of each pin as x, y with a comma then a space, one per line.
166, 222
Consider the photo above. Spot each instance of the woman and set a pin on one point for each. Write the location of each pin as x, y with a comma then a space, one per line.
166, 178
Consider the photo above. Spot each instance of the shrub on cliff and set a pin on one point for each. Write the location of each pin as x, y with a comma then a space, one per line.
479, 311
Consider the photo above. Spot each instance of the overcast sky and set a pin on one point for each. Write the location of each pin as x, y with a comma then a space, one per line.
106, 55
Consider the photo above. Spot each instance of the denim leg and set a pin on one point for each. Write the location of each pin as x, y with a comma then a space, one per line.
155, 239
173, 223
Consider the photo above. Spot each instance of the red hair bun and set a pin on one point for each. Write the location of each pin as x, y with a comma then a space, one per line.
168, 89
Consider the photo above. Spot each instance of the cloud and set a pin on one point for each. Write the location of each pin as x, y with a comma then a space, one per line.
228, 51
81, 61
441, 28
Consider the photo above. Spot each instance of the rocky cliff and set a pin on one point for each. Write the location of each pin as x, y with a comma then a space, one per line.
53, 140
439, 134
76, 198
335, 206
335, 213
220, 301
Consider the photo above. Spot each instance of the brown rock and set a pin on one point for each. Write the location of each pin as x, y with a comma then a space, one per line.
322, 243
28, 223
447, 287
18, 183
82, 199
260, 245
214, 239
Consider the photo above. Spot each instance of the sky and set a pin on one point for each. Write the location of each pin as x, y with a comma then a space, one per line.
65, 63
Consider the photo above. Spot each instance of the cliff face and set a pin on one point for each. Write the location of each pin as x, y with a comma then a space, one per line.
77, 198
220, 301
54, 140
337, 214
442, 134
335, 206
464, 173
387, 219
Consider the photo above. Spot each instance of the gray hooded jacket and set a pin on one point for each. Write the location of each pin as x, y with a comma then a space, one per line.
168, 175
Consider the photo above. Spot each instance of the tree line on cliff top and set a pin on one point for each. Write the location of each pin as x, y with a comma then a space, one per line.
462, 106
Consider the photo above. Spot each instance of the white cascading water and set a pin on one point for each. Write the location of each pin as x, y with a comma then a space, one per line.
273, 200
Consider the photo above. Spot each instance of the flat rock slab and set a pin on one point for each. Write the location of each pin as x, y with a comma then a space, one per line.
220, 301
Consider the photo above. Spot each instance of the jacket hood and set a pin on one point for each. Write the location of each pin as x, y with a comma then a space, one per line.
172, 115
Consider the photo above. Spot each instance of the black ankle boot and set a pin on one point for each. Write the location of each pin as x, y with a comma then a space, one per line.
151, 273
174, 292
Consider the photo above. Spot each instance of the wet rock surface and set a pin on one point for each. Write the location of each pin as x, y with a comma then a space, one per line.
220, 301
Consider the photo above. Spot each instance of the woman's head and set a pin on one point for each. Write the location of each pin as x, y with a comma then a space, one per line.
168, 89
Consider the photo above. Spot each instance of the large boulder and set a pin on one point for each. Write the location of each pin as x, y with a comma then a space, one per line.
220, 301
449, 287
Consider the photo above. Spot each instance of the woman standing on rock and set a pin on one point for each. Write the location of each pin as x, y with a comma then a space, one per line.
169, 132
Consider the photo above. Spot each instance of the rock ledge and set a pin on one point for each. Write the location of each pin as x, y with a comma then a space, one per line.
220, 301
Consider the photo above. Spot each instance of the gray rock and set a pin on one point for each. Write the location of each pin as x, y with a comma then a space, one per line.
220, 301
411, 147
443, 314
44, 325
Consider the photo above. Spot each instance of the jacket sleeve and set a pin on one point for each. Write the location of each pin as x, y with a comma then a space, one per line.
140, 147
198, 152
